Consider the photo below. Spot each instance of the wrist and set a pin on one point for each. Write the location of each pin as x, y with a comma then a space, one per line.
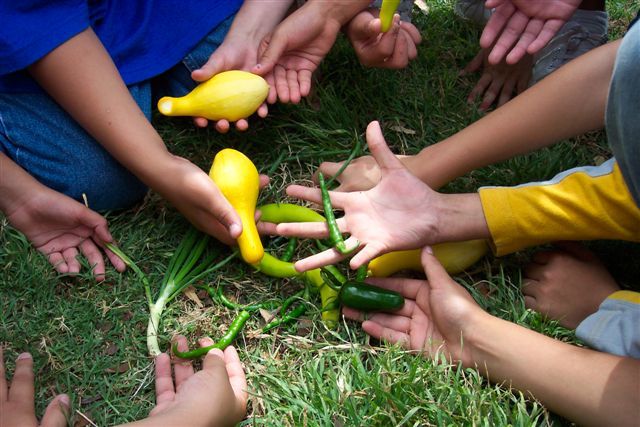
339, 11
459, 217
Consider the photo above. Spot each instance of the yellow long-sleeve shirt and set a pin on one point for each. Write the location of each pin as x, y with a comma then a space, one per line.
585, 203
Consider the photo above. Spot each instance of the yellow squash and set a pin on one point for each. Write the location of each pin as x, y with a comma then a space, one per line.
454, 257
230, 95
387, 10
237, 178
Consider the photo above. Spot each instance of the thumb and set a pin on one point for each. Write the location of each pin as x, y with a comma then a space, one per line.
57, 412
380, 150
436, 274
213, 66
272, 47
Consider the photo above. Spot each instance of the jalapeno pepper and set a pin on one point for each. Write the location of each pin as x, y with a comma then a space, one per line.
365, 297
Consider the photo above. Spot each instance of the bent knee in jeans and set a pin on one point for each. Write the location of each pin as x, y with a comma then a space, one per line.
46, 142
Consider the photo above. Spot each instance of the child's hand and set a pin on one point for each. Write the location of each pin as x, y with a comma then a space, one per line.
235, 53
213, 396
393, 49
400, 212
498, 82
436, 317
197, 197
61, 228
17, 407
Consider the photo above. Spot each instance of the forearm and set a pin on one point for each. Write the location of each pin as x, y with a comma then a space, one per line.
459, 217
81, 77
569, 102
587, 387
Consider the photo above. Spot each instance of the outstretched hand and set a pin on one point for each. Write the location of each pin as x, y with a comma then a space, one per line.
61, 228
398, 213
517, 27
436, 315
215, 395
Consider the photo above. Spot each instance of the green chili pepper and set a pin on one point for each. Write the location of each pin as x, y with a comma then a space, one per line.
235, 328
298, 311
365, 297
352, 155
219, 296
361, 273
335, 236
287, 256
287, 212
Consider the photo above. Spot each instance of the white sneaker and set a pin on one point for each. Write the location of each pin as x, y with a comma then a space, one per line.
472, 10
586, 30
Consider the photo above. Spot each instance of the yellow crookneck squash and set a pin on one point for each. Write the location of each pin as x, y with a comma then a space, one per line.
237, 178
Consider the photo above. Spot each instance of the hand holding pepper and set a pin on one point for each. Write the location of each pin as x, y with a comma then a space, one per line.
400, 212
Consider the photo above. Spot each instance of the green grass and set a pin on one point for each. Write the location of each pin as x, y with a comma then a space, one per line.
88, 339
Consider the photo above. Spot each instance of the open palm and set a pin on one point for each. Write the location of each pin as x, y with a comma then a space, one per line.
394, 215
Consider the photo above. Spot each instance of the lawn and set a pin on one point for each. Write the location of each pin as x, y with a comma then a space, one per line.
88, 339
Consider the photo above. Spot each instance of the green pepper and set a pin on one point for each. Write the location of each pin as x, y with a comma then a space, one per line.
288, 212
365, 297
234, 329
335, 236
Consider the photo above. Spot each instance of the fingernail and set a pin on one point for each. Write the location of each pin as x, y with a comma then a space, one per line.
235, 230
429, 250
216, 352
24, 356
64, 399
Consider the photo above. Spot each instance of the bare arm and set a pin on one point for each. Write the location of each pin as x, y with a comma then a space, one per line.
588, 387
82, 78
569, 102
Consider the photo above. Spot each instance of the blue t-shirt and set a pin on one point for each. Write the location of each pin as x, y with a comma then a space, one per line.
143, 37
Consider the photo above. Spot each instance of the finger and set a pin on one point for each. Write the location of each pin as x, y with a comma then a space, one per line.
3, 377
313, 195
495, 24
182, 369
392, 321
330, 256
412, 50
379, 150
534, 271
542, 257
366, 254
222, 211
386, 334
57, 412
237, 377
400, 57
69, 256
480, 87
57, 261
530, 303
507, 91
200, 122
222, 126
242, 125
435, 272
282, 87
272, 47
263, 110
214, 360
272, 97
548, 31
529, 35
21, 388
511, 33
264, 181
491, 93
94, 257
214, 65
387, 43
115, 260
267, 228
294, 86
165, 390
413, 31
304, 78
308, 230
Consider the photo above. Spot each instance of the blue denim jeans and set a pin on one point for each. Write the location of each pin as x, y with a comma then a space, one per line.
37, 134
623, 110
